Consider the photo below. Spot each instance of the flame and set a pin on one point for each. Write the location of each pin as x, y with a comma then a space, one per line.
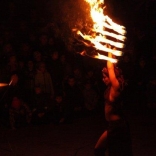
102, 22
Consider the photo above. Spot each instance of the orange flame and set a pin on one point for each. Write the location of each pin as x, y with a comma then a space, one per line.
100, 40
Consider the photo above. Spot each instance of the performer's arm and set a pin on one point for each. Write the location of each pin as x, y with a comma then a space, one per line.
114, 81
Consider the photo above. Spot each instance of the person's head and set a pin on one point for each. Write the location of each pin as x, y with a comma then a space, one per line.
16, 102
43, 39
63, 58
142, 62
30, 64
25, 47
55, 55
77, 71
37, 55
88, 85
118, 74
106, 79
12, 59
90, 73
38, 89
51, 41
71, 81
58, 98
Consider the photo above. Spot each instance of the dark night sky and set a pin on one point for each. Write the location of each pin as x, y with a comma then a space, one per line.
119, 8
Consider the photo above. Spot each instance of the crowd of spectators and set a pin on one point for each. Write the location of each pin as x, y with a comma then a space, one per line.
53, 86
57, 86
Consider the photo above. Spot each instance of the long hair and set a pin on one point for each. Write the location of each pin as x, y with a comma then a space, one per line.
118, 74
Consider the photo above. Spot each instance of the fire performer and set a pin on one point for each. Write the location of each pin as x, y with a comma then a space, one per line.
116, 139
104, 32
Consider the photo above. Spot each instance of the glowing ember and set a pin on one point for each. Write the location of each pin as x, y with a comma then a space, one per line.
103, 33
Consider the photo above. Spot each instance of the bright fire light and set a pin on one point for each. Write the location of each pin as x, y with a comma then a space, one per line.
101, 37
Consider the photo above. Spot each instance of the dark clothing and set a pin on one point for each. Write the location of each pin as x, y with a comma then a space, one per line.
74, 102
99, 152
19, 117
56, 73
74, 96
119, 140
41, 102
118, 133
41, 105
58, 111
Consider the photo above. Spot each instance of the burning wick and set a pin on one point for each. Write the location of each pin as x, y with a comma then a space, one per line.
10, 82
99, 38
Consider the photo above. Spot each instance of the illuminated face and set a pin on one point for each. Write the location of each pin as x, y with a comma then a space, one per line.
38, 90
16, 103
106, 79
71, 81
43, 39
59, 99
55, 55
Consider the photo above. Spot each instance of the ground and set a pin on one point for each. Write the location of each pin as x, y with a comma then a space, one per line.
78, 138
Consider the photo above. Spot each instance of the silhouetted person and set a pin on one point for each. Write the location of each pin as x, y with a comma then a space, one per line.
43, 78
19, 113
42, 105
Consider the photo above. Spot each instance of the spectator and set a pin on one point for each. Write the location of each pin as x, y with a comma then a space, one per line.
30, 72
90, 76
74, 99
51, 44
12, 65
32, 39
141, 79
78, 75
19, 113
43, 45
37, 58
59, 109
90, 98
25, 51
41, 107
55, 70
43, 78
127, 66
66, 67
